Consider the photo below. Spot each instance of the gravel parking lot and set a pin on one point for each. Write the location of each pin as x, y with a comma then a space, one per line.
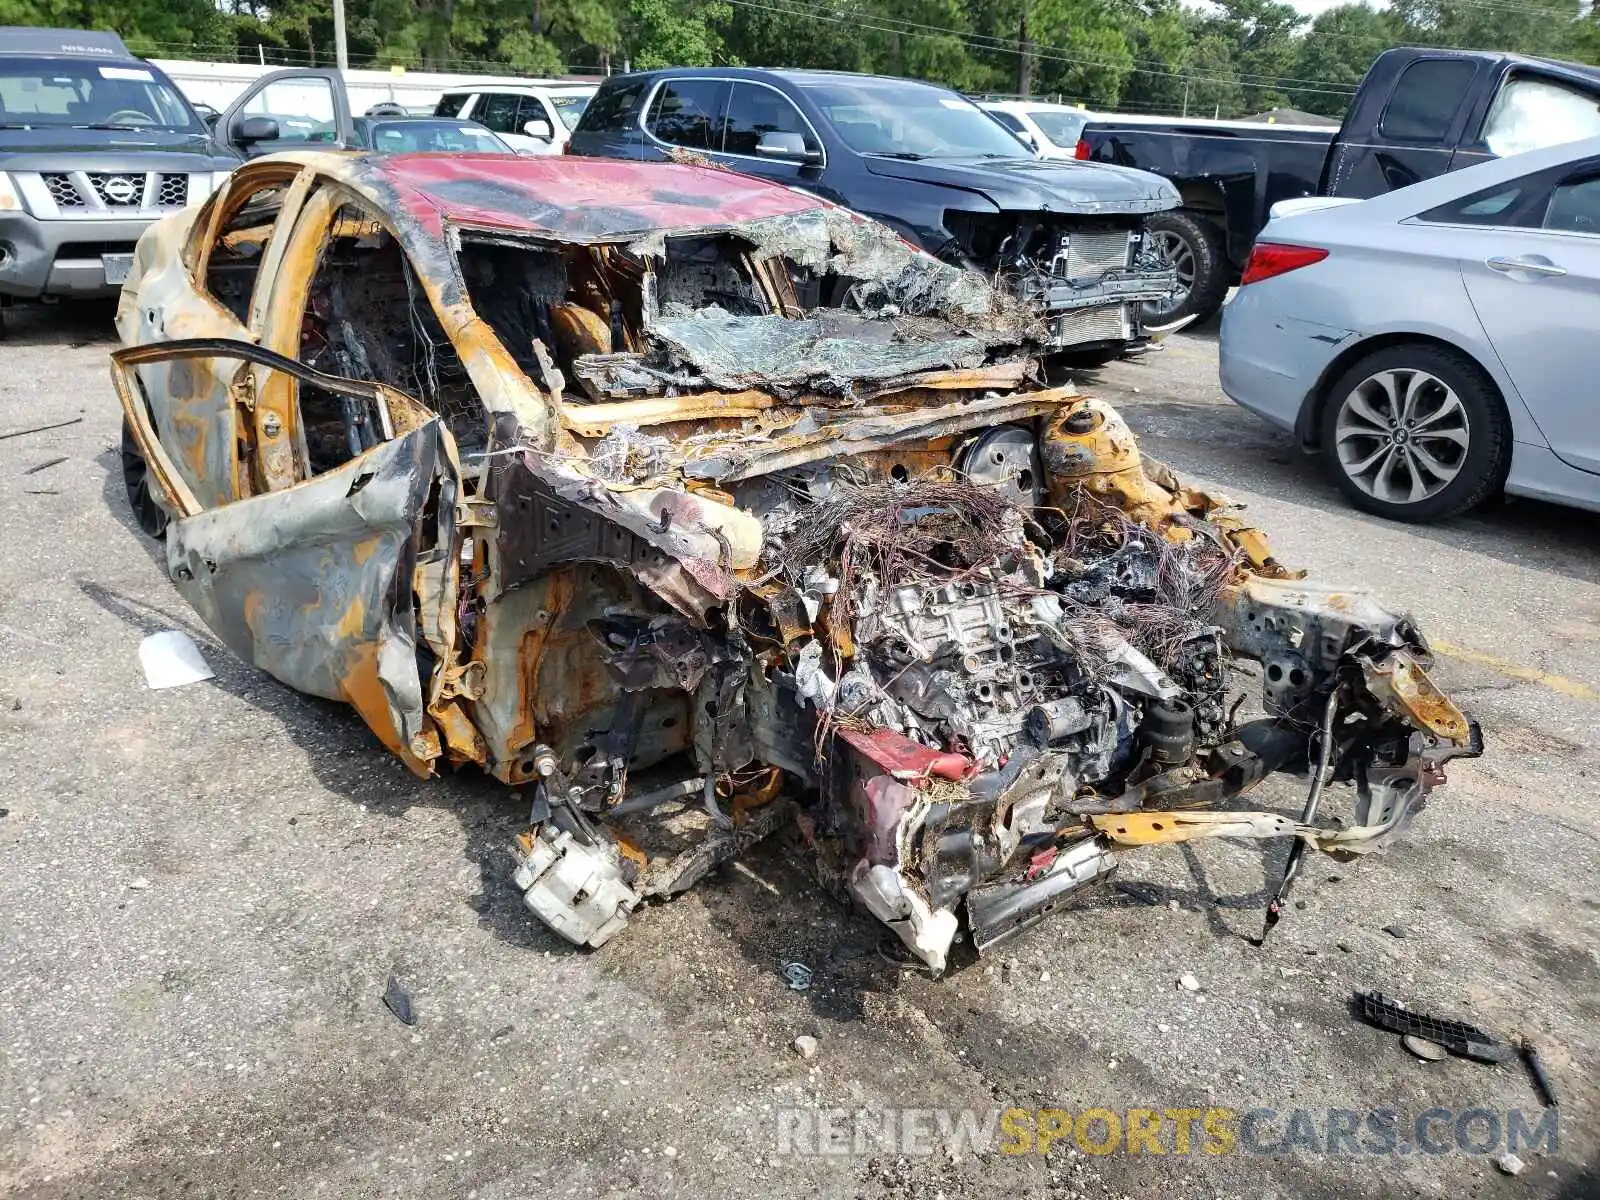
204, 890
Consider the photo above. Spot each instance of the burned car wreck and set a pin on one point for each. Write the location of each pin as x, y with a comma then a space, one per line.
696, 508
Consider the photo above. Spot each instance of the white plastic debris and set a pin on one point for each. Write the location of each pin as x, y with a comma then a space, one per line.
171, 659
1188, 983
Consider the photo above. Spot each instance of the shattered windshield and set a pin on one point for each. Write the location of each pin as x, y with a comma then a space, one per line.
54, 93
900, 119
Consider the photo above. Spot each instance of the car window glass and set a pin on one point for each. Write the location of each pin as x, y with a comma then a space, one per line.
906, 119
303, 109
1575, 206
614, 108
532, 109
498, 110
55, 92
1426, 99
237, 248
1063, 129
685, 112
1492, 206
1006, 119
433, 137
754, 110
1531, 113
451, 103
569, 107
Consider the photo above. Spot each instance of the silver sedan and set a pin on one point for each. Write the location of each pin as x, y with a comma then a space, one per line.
1438, 344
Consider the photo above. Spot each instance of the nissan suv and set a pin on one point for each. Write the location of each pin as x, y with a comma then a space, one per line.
95, 145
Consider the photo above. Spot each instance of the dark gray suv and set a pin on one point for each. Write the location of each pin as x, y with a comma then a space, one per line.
1068, 237
95, 144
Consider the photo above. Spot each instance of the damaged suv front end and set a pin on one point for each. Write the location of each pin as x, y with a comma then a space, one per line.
696, 528
1065, 237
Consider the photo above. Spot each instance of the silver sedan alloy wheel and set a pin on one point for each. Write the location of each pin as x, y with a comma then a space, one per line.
1402, 436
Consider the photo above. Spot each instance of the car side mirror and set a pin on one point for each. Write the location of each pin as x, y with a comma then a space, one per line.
539, 128
788, 146
255, 129
1026, 138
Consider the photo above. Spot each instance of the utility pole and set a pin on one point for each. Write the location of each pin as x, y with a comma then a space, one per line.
1024, 57
340, 50
1186, 95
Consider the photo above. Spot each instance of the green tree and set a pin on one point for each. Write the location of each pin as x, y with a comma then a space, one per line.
1337, 51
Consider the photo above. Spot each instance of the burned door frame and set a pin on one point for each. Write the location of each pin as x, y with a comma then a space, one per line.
332, 585
192, 400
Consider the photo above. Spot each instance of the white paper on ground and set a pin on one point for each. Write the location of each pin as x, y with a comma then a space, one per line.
171, 659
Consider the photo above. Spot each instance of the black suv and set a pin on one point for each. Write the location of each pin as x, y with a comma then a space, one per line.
94, 146
924, 160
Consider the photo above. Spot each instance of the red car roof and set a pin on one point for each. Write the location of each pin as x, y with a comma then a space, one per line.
584, 198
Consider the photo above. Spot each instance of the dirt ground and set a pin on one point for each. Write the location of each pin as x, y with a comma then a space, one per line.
204, 890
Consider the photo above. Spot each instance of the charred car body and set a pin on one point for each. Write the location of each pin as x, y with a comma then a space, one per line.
697, 507
1065, 236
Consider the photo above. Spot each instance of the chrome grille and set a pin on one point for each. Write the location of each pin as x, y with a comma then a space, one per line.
118, 191
1090, 255
173, 191
62, 190
1109, 323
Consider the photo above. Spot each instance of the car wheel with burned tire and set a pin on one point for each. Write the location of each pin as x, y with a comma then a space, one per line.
1193, 247
152, 519
1416, 432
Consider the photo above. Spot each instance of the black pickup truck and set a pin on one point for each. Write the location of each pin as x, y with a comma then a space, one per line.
1418, 113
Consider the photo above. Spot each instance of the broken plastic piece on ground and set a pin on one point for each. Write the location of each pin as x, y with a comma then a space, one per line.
798, 975
398, 1001
171, 659
1460, 1039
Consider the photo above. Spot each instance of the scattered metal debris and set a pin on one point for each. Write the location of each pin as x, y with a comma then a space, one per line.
46, 465
1459, 1039
702, 530
171, 659
798, 975
16, 433
398, 1001
1541, 1077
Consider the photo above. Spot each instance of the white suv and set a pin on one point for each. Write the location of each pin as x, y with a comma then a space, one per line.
1052, 130
531, 118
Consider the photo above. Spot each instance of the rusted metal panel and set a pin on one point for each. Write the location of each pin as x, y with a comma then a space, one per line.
313, 585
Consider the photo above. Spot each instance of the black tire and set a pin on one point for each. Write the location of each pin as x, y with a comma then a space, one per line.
150, 516
1199, 242
1479, 467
